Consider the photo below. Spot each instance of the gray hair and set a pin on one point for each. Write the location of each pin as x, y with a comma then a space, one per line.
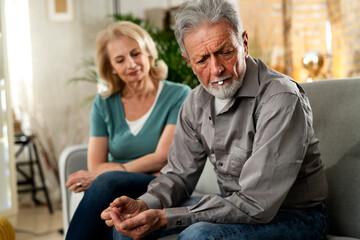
193, 13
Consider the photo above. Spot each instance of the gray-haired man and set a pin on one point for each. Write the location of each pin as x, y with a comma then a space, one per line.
255, 126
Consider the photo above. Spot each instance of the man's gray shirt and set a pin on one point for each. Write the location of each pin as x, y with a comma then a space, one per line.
262, 146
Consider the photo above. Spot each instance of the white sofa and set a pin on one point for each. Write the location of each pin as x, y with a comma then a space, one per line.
336, 111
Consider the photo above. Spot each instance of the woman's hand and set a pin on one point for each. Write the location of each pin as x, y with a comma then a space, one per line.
80, 181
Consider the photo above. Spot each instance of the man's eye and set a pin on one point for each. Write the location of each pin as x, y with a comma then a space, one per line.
201, 61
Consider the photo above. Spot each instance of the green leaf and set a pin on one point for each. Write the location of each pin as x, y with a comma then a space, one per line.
87, 101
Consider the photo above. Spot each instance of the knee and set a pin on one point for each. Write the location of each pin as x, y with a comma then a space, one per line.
104, 179
198, 230
106, 182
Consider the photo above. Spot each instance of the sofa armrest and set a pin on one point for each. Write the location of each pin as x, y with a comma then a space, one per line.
72, 159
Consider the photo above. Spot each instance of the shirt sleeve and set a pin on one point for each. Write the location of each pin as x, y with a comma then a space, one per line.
279, 148
98, 126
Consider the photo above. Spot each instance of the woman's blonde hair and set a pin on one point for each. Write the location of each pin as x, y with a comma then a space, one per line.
158, 68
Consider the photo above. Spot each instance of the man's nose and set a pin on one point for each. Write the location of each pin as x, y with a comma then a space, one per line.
216, 66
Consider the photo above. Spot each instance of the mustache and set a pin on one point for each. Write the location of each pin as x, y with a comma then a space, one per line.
219, 79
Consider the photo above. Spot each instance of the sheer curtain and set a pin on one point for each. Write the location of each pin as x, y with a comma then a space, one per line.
8, 189
20, 59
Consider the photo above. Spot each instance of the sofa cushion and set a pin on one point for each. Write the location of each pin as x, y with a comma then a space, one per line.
344, 194
331, 237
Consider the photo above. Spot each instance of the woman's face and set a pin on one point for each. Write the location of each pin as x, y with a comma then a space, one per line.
127, 60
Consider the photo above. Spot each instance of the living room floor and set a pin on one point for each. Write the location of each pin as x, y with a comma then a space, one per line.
36, 223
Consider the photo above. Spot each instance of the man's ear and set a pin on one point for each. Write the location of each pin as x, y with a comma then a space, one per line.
188, 61
184, 56
245, 44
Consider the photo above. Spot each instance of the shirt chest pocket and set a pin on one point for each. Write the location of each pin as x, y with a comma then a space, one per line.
235, 161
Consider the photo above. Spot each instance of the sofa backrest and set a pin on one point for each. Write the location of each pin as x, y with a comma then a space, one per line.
336, 115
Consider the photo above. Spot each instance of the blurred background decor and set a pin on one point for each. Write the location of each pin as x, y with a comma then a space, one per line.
313, 62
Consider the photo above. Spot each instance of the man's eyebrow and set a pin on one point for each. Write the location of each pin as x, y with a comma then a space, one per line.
226, 45
221, 48
202, 55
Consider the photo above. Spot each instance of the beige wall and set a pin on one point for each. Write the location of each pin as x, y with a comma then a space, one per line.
57, 50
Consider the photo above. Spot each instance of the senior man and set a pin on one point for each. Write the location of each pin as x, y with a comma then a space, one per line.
255, 126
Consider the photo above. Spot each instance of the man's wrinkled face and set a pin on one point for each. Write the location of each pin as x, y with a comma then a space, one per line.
217, 57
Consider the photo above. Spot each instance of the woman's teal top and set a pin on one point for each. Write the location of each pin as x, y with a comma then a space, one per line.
108, 120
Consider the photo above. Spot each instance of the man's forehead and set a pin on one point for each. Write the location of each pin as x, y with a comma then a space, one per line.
209, 41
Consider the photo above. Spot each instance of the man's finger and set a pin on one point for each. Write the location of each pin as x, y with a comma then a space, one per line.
105, 214
109, 223
120, 201
133, 223
116, 221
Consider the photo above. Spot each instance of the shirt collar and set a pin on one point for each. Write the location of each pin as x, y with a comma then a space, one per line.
250, 86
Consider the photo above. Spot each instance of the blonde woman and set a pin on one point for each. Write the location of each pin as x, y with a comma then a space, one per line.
132, 126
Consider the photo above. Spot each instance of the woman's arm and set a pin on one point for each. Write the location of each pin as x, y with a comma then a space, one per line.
98, 162
97, 152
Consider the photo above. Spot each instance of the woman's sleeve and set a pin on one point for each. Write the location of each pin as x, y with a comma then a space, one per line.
98, 125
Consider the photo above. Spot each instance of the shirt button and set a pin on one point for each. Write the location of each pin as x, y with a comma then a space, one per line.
178, 222
210, 118
220, 164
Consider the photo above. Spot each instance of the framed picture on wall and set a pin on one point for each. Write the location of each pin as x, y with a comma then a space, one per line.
61, 10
